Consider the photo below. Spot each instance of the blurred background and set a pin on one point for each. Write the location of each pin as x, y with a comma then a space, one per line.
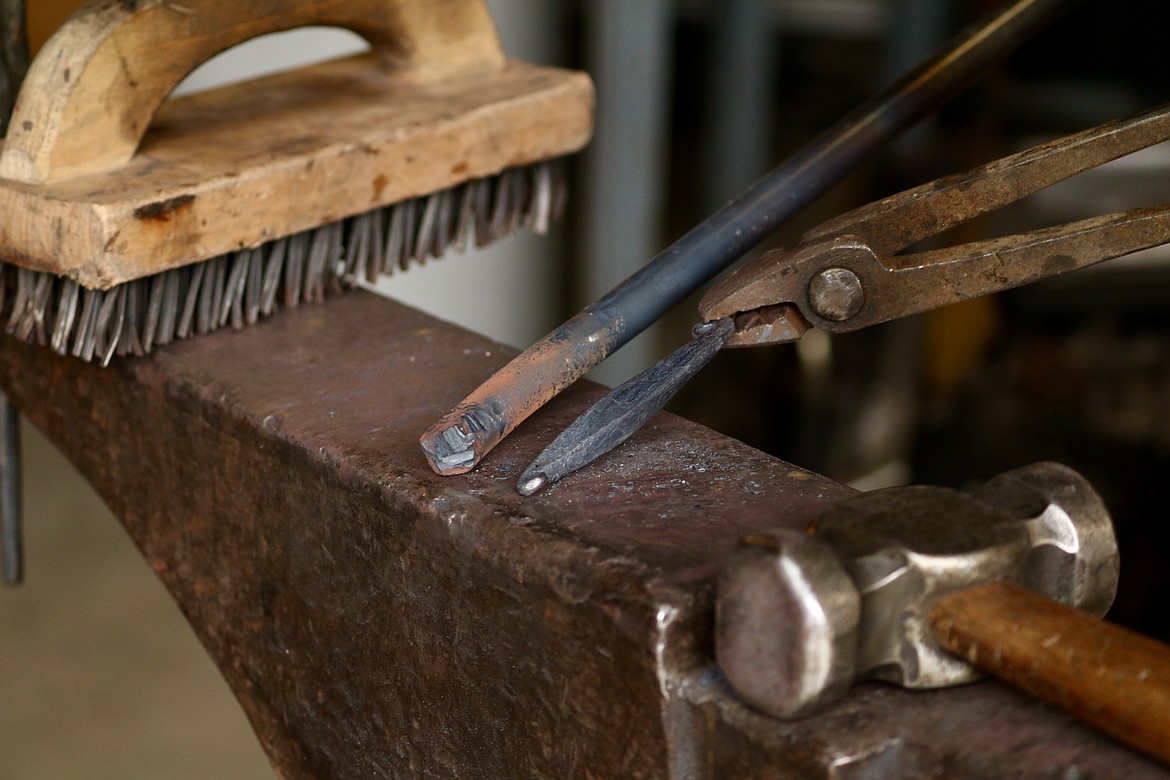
696, 98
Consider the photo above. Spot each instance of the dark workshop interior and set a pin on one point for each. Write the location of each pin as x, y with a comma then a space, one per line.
102, 678
1070, 370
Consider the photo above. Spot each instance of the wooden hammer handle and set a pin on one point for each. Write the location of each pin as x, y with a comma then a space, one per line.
1111, 678
93, 89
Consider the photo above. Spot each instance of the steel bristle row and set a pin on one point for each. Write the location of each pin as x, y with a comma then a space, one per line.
239, 288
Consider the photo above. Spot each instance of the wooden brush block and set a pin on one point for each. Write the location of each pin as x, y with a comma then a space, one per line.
87, 191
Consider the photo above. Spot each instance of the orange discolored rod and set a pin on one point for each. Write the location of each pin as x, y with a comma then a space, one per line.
457, 442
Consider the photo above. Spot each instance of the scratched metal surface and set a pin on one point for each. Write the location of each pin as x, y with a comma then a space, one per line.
378, 620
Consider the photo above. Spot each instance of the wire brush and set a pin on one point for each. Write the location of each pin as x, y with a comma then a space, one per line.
127, 222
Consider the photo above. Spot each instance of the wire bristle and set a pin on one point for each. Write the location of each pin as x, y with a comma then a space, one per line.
249, 284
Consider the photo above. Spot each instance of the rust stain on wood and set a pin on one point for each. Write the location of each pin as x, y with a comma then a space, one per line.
163, 210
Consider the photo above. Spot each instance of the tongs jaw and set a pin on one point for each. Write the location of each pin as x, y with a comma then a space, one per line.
849, 273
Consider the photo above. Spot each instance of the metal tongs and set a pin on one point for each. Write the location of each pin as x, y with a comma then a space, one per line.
850, 272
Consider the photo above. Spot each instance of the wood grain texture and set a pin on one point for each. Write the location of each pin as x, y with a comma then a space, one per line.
247, 163
94, 87
1111, 678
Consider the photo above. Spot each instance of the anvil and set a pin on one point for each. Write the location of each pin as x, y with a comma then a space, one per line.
377, 620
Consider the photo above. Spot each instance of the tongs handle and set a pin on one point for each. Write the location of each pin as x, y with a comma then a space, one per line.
902, 220
869, 282
946, 276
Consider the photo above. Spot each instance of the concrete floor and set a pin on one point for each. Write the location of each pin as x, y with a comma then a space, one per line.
100, 676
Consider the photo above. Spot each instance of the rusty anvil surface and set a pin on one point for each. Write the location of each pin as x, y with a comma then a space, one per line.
375, 619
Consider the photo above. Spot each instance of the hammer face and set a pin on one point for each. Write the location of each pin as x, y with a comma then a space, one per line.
904, 549
786, 622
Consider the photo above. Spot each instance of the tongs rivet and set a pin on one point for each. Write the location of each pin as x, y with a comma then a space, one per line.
836, 294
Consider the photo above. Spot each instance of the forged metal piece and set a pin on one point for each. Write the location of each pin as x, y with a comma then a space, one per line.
560, 358
624, 410
238, 289
377, 620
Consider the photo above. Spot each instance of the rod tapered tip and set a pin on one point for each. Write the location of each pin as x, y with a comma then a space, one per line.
530, 484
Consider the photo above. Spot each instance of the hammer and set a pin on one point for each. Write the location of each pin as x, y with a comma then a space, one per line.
925, 586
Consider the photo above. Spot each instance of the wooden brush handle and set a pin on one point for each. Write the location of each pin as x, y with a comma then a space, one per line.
93, 89
1111, 678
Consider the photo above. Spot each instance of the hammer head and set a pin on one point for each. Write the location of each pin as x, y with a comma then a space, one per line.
793, 631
